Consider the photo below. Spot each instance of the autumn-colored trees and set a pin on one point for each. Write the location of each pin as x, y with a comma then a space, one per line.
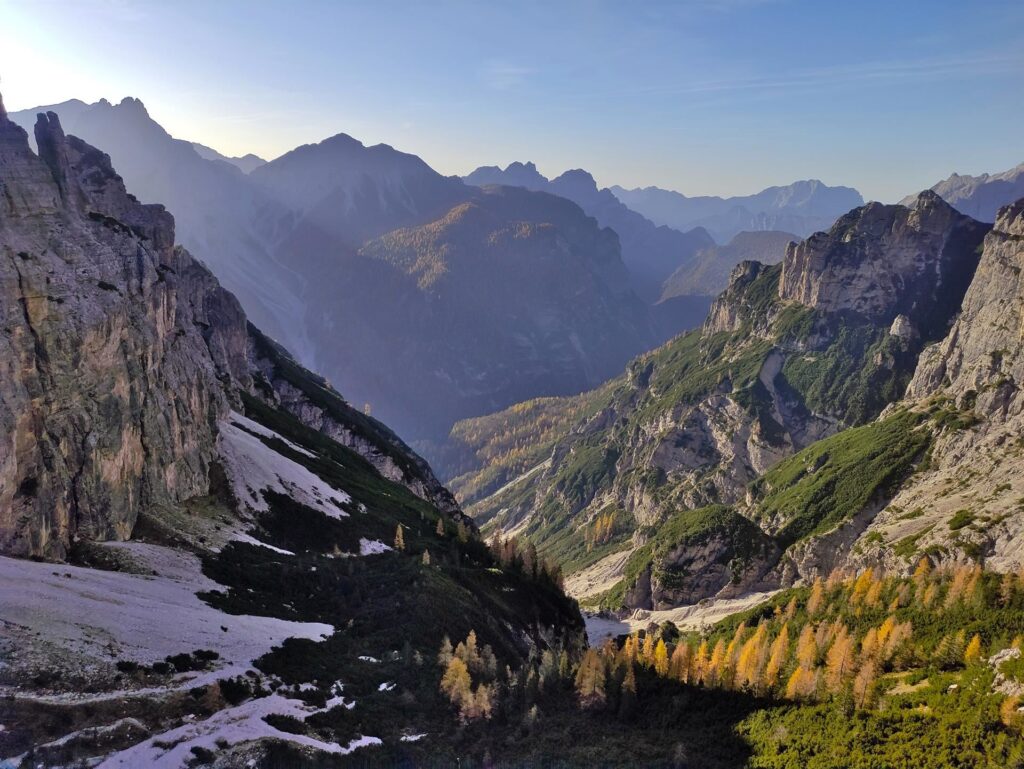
844, 635
461, 665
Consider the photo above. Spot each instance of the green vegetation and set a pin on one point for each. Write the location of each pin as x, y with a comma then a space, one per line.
690, 528
859, 372
833, 479
960, 519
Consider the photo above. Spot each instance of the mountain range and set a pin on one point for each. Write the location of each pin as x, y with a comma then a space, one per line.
802, 207
982, 196
797, 529
651, 253
327, 246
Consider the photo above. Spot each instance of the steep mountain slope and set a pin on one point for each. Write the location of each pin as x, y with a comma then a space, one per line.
789, 354
254, 556
301, 242
651, 253
968, 504
802, 207
708, 275
982, 196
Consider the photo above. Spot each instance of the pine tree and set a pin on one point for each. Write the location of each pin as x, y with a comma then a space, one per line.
699, 664
661, 658
456, 682
806, 648
627, 701
817, 599
839, 660
802, 684
863, 683
777, 658
399, 538
716, 664
445, 655
679, 667
972, 655
752, 658
591, 680
647, 656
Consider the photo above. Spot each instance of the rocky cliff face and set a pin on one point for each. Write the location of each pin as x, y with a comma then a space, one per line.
968, 503
120, 355
883, 261
115, 345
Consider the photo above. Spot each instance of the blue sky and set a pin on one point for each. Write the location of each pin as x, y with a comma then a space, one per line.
706, 96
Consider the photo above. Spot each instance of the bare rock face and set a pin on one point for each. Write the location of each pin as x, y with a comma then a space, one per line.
113, 348
882, 261
976, 474
982, 353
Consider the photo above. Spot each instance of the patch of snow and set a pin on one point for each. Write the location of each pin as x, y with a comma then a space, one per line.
387, 686
364, 658
412, 737
255, 427
250, 540
104, 613
244, 723
360, 742
254, 468
372, 547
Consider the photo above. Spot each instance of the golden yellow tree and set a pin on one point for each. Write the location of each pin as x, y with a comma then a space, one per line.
716, 664
863, 683
752, 659
399, 538
590, 679
806, 648
817, 600
972, 655
679, 666
647, 656
661, 658
777, 657
699, 664
802, 684
839, 660
456, 682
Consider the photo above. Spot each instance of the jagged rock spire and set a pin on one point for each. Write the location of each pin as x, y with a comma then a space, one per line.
3, 110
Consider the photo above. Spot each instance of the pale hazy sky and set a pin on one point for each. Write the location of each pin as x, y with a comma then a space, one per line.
702, 96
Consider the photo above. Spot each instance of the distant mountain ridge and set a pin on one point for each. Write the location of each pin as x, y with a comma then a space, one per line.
802, 207
981, 196
246, 163
708, 275
330, 249
650, 252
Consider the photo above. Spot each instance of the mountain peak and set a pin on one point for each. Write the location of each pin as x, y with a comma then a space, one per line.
3, 110
130, 102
